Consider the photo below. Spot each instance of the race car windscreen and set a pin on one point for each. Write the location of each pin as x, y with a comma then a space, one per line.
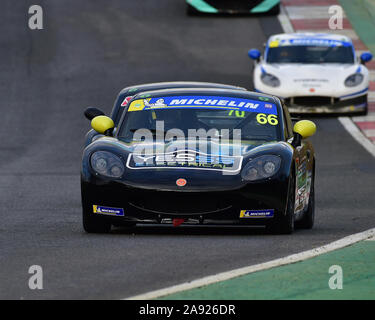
310, 54
257, 120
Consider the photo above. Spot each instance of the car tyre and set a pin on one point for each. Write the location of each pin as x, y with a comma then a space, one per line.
285, 224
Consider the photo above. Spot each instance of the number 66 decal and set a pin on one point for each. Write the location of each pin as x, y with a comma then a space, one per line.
270, 119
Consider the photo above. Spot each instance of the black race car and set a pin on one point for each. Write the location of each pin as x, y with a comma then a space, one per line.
242, 7
203, 156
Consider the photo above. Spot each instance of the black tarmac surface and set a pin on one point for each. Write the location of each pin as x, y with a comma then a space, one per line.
86, 53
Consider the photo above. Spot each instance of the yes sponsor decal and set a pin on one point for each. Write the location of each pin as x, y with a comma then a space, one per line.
108, 210
257, 213
185, 159
203, 102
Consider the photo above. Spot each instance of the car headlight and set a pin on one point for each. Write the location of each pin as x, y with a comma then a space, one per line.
270, 80
107, 164
261, 167
354, 80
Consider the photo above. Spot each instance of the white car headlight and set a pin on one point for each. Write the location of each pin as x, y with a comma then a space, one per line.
261, 167
270, 80
354, 80
107, 164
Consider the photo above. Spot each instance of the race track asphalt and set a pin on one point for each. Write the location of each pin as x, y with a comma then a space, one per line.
87, 52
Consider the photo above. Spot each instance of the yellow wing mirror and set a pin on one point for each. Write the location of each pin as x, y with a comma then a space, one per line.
102, 124
305, 128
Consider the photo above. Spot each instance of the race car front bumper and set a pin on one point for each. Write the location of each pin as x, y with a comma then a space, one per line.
157, 206
314, 104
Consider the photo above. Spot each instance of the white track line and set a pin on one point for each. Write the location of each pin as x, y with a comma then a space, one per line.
285, 21
357, 134
309, 12
371, 96
344, 242
345, 32
370, 133
369, 117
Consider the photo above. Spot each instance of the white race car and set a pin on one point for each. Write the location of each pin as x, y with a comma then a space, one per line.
313, 73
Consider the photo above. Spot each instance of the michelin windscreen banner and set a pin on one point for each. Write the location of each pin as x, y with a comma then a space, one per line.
309, 42
204, 102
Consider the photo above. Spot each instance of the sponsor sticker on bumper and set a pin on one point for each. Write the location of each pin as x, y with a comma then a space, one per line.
257, 213
108, 210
